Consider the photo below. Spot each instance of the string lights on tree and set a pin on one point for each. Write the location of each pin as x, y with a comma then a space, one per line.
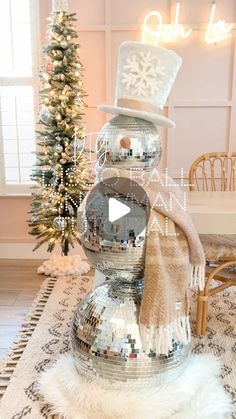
61, 181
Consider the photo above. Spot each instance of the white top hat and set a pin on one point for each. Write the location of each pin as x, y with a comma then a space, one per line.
145, 76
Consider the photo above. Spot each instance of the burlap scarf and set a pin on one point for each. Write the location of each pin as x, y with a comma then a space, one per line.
173, 262
164, 313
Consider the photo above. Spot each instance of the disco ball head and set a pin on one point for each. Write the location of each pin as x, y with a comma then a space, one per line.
127, 142
107, 345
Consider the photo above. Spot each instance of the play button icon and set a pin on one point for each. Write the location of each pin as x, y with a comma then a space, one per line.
112, 227
117, 209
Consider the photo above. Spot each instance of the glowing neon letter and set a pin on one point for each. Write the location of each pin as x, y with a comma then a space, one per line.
217, 31
166, 33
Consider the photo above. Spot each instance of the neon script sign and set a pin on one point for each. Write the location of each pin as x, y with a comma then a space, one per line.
217, 31
163, 32
155, 31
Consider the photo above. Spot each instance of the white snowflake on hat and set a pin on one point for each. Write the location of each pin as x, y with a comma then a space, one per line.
145, 76
142, 74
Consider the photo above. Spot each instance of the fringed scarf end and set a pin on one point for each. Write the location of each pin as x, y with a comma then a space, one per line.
197, 277
160, 339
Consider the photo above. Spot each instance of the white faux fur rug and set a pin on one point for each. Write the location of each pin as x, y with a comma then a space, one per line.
196, 394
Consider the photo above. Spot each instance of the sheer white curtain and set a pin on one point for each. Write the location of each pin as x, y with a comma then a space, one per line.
18, 92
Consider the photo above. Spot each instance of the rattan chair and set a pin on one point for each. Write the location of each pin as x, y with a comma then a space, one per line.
212, 172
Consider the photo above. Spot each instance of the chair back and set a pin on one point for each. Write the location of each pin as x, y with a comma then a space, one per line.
213, 172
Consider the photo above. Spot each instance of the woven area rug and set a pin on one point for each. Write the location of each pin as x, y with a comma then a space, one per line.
44, 337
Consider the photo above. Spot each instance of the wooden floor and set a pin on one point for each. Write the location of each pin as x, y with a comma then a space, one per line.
19, 284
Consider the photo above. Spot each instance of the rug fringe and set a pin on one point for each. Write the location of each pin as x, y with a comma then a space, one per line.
11, 359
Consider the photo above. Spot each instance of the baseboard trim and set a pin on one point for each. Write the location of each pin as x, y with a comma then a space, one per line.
21, 262
25, 251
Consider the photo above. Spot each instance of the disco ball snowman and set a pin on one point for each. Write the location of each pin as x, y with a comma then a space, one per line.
105, 335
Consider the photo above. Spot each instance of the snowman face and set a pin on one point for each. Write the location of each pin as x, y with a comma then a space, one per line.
127, 142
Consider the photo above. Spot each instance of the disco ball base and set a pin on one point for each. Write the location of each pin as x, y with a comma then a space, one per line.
106, 341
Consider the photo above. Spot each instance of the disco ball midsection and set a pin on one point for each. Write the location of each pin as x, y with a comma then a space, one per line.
116, 261
117, 249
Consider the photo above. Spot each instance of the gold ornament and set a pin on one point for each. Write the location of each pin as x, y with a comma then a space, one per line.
64, 44
58, 117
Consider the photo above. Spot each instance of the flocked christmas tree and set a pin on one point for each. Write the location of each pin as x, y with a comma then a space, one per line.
61, 172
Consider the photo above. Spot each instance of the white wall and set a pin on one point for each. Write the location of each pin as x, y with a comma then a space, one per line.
202, 103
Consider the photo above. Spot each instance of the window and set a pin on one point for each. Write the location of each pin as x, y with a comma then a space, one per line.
18, 92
